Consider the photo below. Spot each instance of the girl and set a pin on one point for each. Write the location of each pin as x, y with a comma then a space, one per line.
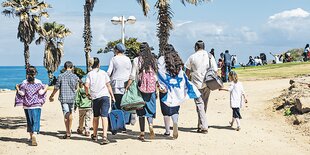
174, 87
145, 63
31, 95
236, 101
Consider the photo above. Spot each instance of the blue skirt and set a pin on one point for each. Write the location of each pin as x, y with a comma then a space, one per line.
33, 117
149, 110
166, 110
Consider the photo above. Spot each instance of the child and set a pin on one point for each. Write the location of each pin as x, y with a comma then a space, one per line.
31, 95
236, 93
85, 110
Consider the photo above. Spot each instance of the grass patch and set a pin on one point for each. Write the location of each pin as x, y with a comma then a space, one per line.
274, 71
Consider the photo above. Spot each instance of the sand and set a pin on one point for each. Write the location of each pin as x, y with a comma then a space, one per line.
263, 130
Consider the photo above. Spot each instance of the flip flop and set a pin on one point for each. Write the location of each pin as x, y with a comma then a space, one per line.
66, 136
105, 141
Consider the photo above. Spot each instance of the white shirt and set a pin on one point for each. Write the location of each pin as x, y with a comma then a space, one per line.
119, 68
198, 63
119, 71
97, 80
236, 91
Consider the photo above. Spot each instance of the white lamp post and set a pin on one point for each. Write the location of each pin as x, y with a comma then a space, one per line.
122, 20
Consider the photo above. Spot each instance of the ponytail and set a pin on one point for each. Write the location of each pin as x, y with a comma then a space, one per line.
31, 73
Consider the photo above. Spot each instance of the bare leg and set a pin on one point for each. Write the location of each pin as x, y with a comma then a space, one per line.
167, 124
151, 129
105, 125
95, 125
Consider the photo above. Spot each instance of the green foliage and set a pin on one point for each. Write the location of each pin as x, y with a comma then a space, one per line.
132, 47
287, 112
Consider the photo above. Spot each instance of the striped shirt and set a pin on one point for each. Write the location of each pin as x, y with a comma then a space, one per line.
67, 84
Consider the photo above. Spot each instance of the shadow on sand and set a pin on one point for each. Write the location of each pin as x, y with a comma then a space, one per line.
12, 123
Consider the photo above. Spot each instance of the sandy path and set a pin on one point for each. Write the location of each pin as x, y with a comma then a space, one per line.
263, 131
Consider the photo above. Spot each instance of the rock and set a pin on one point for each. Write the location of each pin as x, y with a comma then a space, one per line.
303, 104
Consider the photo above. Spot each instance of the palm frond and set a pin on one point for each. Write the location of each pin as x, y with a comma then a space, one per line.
145, 6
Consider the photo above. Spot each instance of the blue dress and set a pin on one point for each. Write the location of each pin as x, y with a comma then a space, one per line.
149, 110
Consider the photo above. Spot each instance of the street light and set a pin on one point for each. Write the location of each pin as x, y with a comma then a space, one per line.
122, 20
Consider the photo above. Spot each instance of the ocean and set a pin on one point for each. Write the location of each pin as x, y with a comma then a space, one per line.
12, 75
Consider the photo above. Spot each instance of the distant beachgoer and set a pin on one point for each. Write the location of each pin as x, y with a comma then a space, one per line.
31, 94
67, 84
146, 64
251, 61
196, 68
221, 69
233, 61
227, 62
98, 88
257, 61
85, 110
306, 53
277, 58
212, 52
174, 88
236, 98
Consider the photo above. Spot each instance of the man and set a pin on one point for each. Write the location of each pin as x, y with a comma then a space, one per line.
227, 63
196, 68
67, 83
98, 82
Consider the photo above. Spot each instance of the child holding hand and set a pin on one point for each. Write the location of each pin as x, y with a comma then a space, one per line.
236, 98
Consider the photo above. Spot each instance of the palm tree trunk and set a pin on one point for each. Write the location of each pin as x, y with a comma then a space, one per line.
87, 34
26, 55
164, 25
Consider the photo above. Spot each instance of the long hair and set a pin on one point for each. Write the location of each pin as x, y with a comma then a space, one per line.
307, 46
147, 59
31, 73
173, 61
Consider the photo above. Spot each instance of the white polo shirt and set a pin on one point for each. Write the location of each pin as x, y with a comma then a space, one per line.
97, 80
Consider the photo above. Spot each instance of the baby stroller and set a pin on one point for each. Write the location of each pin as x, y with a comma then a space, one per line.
263, 58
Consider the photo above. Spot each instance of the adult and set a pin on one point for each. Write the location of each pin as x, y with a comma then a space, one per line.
212, 52
306, 52
146, 62
98, 84
67, 83
174, 88
251, 61
119, 72
227, 63
257, 61
196, 68
277, 58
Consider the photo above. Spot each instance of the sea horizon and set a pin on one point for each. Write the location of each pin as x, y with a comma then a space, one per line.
12, 75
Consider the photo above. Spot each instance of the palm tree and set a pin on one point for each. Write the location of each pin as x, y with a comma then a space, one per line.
164, 17
88, 7
53, 35
29, 13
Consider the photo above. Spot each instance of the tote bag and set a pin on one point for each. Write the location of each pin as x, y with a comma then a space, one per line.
132, 99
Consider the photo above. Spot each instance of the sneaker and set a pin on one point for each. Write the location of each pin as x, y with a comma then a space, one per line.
204, 131
166, 134
152, 134
175, 131
141, 137
238, 128
34, 141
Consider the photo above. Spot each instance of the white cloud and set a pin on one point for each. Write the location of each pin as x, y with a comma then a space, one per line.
248, 34
295, 13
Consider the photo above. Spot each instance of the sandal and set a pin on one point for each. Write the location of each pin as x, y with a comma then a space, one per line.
79, 131
141, 137
66, 136
87, 133
105, 141
93, 137
166, 134
152, 134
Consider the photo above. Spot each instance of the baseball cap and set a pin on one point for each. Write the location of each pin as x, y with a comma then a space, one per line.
120, 47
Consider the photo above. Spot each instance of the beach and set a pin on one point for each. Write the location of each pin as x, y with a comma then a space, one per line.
263, 131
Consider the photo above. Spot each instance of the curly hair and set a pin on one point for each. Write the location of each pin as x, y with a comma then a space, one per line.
147, 59
173, 61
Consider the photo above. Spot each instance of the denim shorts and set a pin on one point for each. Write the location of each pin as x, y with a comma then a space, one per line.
101, 106
33, 117
67, 107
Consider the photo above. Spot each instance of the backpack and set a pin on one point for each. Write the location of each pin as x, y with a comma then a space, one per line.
147, 81
211, 79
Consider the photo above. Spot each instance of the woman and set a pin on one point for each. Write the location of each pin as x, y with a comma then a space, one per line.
174, 87
145, 63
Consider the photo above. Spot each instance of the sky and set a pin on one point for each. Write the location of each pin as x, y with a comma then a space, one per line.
245, 28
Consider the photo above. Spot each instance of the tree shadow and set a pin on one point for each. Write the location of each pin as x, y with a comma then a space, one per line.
12, 122
17, 140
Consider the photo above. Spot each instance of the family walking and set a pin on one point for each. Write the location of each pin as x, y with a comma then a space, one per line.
175, 80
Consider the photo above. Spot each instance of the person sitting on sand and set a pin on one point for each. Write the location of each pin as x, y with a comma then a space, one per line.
236, 98
31, 95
